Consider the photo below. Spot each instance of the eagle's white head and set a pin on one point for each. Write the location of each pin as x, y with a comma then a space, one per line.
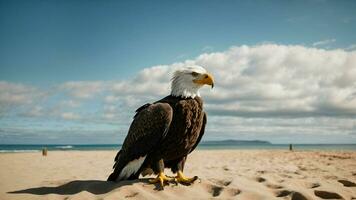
187, 81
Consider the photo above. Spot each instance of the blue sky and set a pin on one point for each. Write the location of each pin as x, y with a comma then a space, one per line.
56, 41
52, 51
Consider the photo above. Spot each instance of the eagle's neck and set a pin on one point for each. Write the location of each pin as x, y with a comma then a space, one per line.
186, 94
184, 90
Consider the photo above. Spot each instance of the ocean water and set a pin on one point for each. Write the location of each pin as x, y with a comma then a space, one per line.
221, 145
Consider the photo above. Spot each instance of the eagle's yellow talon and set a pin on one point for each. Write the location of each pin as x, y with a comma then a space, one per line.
161, 179
180, 178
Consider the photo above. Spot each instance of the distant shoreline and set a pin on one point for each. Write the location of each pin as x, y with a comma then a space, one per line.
206, 145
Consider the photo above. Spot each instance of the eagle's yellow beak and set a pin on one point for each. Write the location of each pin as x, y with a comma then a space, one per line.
205, 79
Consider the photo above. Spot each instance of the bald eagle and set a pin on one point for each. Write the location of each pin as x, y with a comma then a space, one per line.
163, 133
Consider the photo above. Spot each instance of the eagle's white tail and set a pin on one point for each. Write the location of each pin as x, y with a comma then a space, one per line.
131, 168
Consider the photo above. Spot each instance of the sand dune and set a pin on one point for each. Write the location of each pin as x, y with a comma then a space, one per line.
224, 174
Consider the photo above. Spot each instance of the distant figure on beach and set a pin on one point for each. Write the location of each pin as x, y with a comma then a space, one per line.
163, 133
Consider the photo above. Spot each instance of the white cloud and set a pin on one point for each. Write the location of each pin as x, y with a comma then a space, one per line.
324, 42
15, 95
260, 89
282, 80
82, 89
111, 99
70, 103
69, 116
35, 111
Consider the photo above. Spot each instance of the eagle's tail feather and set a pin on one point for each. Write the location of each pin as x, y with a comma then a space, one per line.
127, 171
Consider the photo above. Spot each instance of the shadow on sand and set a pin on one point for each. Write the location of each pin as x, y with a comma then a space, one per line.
93, 186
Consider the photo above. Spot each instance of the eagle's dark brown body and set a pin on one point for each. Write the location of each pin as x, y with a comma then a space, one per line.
163, 133
184, 129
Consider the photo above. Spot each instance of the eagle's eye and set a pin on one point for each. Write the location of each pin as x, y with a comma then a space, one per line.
195, 74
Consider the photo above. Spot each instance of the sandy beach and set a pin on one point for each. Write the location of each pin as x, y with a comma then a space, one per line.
224, 174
